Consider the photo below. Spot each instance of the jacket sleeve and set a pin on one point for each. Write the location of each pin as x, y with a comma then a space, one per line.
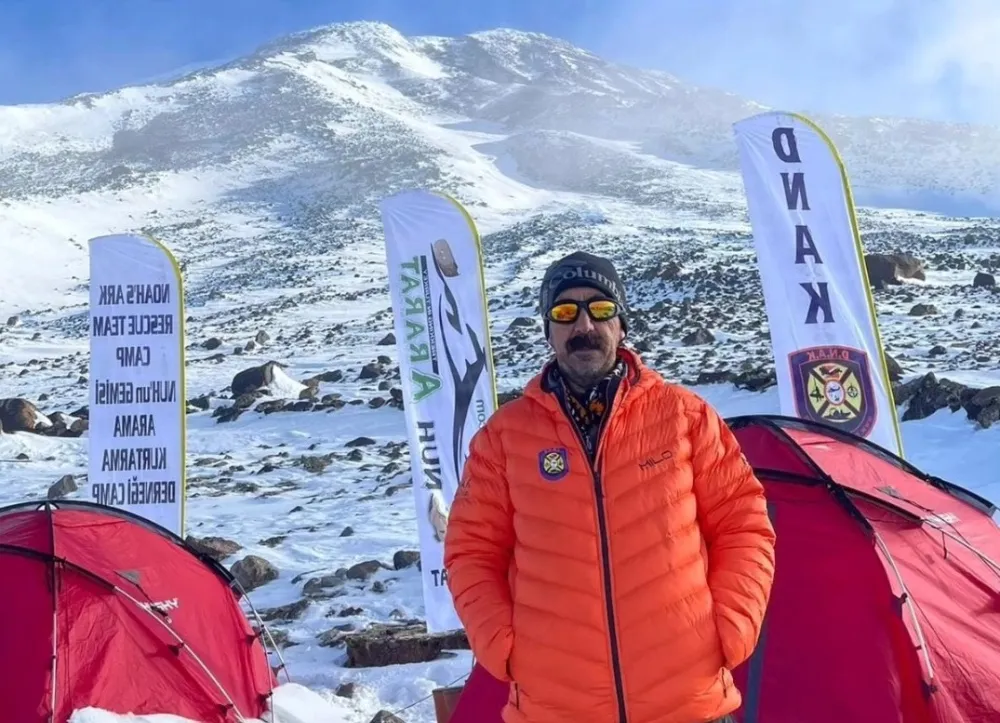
732, 510
478, 548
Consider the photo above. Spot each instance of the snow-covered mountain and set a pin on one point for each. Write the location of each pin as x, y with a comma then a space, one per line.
263, 176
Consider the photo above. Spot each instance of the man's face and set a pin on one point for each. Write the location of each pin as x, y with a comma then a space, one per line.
586, 349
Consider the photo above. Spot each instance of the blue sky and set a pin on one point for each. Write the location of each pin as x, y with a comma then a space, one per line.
926, 58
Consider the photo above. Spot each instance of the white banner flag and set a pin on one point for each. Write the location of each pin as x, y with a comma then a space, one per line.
827, 349
137, 401
435, 265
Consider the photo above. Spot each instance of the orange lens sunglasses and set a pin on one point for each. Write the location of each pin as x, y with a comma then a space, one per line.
566, 312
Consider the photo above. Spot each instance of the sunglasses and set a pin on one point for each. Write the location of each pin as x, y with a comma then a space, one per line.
566, 312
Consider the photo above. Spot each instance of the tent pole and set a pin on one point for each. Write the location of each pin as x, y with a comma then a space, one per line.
244, 596
53, 584
989, 563
908, 600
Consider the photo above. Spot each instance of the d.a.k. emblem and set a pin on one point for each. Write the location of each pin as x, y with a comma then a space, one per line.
553, 464
833, 384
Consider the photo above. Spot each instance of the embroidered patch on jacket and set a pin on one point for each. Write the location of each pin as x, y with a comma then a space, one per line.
553, 463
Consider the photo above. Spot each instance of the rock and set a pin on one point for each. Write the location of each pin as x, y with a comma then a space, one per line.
324, 587
262, 337
346, 690
253, 379
363, 570
384, 716
387, 340
65, 485
665, 270
697, 338
984, 407
201, 403
405, 558
315, 464
360, 442
927, 395
520, 322
756, 380
984, 280
211, 344
20, 415
386, 644
370, 371
923, 310
227, 414
217, 548
893, 368
889, 269
281, 638
285, 613
62, 425
13, 321
252, 572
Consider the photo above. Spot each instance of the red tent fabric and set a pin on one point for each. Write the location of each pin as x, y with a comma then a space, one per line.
886, 600
103, 608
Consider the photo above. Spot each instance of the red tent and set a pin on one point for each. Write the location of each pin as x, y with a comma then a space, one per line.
103, 608
886, 600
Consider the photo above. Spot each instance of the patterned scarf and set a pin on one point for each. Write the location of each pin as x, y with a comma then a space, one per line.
588, 410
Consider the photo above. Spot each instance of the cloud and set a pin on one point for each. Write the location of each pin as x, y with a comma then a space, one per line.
930, 58
960, 55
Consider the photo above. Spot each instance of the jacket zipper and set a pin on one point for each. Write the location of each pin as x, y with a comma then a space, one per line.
606, 563
602, 524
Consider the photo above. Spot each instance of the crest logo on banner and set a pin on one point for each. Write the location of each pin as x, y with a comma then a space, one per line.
833, 384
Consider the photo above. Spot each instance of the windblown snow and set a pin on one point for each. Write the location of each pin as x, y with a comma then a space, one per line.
263, 176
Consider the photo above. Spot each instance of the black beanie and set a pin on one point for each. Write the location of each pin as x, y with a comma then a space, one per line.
582, 269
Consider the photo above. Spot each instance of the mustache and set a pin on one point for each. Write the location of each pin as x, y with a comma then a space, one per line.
585, 341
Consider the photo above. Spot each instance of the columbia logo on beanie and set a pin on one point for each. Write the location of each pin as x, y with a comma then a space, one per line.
581, 269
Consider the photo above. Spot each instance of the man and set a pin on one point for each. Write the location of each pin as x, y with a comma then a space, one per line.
608, 550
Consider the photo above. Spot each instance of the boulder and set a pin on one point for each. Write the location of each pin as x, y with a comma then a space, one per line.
890, 269
253, 379
386, 644
20, 415
252, 572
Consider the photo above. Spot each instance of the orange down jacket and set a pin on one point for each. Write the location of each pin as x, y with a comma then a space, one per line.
623, 592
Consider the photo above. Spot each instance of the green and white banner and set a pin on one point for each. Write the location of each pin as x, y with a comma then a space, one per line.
435, 265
